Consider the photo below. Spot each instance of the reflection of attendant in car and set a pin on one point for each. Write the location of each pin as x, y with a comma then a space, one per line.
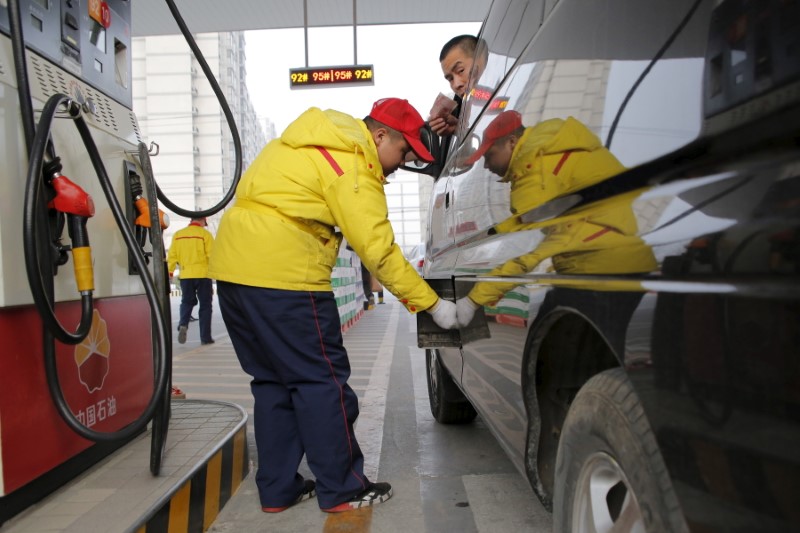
541, 163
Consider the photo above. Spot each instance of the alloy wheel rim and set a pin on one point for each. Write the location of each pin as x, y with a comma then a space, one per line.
604, 501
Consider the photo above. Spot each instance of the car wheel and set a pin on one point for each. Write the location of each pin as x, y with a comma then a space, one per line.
448, 403
610, 475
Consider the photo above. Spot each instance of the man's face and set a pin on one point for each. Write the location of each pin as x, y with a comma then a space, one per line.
456, 66
498, 157
393, 150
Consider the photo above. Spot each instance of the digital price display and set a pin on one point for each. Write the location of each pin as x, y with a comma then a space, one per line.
300, 78
482, 95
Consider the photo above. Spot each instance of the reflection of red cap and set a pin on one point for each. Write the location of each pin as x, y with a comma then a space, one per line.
503, 124
401, 116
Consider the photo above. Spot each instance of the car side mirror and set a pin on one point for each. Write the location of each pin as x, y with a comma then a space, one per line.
437, 149
459, 164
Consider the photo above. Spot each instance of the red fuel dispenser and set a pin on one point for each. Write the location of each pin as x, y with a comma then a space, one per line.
105, 375
69, 397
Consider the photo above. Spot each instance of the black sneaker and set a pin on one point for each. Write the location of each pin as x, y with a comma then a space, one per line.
182, 330
374, 494
308, 493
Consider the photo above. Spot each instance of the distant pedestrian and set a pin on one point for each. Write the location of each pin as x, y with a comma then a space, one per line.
274, 255
191, 249
366, 283
377, 289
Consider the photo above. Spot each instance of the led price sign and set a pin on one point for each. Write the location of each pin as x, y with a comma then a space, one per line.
331, 76
482, 95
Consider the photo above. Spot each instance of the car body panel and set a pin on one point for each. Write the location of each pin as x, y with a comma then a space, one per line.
691, 281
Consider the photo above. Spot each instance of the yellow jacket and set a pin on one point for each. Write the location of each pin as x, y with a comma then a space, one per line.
552, 159
190, 248
322, 174
578, 246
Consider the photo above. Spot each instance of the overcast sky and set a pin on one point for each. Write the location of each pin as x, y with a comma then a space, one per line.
405, 59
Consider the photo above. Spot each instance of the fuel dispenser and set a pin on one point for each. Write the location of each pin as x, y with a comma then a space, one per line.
84, 309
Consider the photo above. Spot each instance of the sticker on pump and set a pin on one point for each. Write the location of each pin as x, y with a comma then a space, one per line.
100, 12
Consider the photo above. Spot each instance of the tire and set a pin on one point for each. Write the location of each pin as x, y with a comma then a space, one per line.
448, 403
610, 475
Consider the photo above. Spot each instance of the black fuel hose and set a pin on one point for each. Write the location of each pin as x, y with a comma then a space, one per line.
34, 217
160, 425
33, 206
21, 71
226, 110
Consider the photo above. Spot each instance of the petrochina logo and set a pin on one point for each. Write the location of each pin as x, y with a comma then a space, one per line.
91, 355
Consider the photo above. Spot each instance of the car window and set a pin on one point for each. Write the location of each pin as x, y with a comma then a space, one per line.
605, 81
504, 34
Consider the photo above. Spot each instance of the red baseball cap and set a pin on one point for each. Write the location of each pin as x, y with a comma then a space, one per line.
503, 124
401, 116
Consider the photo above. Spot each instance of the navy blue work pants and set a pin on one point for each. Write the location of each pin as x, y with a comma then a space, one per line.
192, 291
290, 342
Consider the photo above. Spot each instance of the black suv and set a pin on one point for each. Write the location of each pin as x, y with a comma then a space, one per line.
621, 205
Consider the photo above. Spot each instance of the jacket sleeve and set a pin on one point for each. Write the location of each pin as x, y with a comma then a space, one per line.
358, 204
208, 242
557, 241
172, 256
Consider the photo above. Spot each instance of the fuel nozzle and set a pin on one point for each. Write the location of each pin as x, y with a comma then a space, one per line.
144, 214
143, 207
78, 205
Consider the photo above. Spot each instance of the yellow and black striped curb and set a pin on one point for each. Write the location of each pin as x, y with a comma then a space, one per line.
195, 503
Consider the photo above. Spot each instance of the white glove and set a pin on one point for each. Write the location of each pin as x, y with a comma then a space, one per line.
444, 314
465, 310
